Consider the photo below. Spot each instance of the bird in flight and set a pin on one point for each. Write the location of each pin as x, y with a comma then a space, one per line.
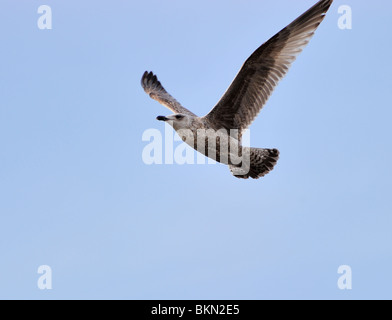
243, 101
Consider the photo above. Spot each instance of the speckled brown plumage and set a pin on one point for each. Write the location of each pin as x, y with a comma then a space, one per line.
249, 91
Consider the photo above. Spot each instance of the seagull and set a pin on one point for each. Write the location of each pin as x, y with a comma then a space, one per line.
243, 100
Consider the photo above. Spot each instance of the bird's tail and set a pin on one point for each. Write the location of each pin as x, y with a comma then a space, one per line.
262, 161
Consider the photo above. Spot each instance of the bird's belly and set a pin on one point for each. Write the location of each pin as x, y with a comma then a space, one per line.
217, 146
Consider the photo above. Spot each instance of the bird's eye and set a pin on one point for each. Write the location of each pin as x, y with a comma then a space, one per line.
179, 117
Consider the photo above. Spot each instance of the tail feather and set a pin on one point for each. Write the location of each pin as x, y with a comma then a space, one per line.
262, 161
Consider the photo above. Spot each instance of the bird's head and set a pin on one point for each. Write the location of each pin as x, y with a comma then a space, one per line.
177, 121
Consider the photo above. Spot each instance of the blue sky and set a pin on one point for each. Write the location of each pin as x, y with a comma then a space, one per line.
76, 195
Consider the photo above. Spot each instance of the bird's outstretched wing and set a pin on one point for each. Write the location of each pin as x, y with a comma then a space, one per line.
156, 91
264, 69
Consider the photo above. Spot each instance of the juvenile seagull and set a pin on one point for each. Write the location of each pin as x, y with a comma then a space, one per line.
245, 97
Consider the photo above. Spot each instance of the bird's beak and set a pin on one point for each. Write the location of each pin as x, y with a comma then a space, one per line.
162, 118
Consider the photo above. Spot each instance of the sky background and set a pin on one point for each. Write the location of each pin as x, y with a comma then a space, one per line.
76, 195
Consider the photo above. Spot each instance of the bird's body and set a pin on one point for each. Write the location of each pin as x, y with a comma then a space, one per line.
218, 134
211, 142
